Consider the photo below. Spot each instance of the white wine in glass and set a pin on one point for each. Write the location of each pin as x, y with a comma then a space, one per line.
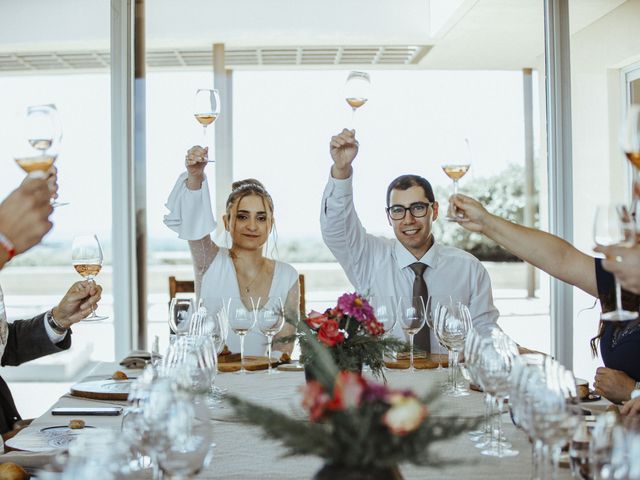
357, 89
206, 110
87, 258
44, 133
455, 171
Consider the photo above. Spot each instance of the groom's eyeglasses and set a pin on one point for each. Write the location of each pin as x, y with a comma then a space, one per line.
417, 209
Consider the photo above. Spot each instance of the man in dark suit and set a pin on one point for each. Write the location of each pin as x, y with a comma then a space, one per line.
24, 220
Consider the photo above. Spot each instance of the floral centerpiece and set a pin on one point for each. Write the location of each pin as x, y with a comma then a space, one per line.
362, 429
352, 333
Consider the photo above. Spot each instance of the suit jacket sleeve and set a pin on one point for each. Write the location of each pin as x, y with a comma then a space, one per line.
28, 340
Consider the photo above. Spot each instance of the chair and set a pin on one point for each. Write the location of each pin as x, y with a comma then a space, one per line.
188, 286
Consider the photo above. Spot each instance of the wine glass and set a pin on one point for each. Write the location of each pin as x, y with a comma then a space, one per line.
180, 311
206, 110
357, 89
241, 319
452, 322
270, 320
87, 257
411, 314
455, 169
613, 227
43, 130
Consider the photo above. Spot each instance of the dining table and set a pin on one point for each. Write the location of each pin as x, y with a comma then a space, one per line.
242, 452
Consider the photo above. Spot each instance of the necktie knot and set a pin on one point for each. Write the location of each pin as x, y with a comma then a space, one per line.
418, 268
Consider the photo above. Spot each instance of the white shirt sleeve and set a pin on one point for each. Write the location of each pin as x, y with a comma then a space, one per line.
342, 232
481, 307
190, 214
55, 337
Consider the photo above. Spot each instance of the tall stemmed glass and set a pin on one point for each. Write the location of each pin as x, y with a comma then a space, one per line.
242, 318
43, 130
206, 110
270, 320
357, 90
384, 308
411, 314
456, 168
87, 257
452, 322
613, 227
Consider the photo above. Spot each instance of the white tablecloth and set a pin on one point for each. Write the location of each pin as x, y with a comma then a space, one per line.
242, 453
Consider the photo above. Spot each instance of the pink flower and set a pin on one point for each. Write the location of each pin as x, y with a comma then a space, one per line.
316, 319
329, 333
314, 400
405, 415
356, 306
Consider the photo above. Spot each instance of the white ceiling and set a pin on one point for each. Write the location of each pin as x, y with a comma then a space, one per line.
475, 34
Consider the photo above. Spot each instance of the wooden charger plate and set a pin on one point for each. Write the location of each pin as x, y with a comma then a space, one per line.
421, 362
107, 389
251, 363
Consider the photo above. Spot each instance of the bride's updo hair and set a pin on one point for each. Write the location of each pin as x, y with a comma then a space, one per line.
244, 188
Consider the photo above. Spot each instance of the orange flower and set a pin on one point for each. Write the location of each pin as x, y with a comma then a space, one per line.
348, 390
329, 333
314, 400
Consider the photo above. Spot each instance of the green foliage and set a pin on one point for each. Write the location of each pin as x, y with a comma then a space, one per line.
502, 195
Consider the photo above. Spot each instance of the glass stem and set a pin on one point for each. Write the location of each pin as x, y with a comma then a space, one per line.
500, 402
241, 353
618, 296
455, 187
269, 342
353, 118
90, 279
410, 349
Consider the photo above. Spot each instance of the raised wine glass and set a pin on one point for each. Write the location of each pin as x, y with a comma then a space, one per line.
87, 257
206, 110
270, 320
357, 89
411, 314
612, 226
39, 152
455, 168
242, 318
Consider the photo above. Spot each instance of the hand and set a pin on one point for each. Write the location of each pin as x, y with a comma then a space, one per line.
624, 263
195, 161
472, 215
615, 385
24, 214
343, 148
52, 181
78, 303
631, 407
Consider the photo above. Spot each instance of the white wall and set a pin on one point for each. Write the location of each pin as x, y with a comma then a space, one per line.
598, 52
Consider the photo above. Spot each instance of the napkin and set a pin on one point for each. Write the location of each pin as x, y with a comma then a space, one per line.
136, 359
30, 460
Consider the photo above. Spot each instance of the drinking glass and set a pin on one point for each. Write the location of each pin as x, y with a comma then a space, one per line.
613, 227
270, 320
180, 312
242, 317
452, 322
87, 257
411, 314
456, 168
43, 130
206, 110
190, 447
357, 89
